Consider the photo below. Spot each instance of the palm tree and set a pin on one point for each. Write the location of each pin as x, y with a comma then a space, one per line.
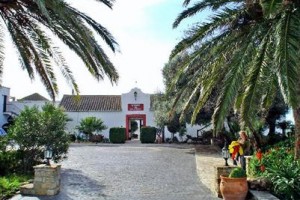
249, 50
29, 23
89, 125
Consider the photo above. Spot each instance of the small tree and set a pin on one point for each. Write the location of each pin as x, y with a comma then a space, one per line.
35, 130
89, 125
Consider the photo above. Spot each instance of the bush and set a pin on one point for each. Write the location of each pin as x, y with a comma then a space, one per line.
285, 179
237, 173
10, 161
72, 137
35, 130
148, 134
89, 125
117, 135
277, 164
9, 185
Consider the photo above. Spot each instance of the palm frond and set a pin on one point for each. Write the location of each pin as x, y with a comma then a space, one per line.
27, 21
200, 6
286, 55
218, 25
103, 32
108, 3
41, 5
252, 96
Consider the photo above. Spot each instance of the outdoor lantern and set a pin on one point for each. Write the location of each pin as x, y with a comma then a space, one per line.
225, 153
48, 155
135, 95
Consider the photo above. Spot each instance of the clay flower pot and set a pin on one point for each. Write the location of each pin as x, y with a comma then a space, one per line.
233, 188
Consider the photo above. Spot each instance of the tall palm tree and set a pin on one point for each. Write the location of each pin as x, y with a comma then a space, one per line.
249, 49
28, 22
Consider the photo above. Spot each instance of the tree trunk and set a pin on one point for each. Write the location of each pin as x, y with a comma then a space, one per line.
297, 132
272, 127
256, 136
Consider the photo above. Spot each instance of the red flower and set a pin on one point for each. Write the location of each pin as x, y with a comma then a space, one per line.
259, 155
262, 168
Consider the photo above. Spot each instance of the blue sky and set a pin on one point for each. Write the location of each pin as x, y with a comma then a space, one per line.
143, 28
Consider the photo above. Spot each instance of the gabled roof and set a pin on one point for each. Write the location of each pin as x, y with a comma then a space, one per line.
87, 103
34, 97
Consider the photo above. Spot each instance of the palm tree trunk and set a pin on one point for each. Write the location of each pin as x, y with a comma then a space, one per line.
297, 132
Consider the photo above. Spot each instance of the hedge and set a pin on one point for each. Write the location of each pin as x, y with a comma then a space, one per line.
117, 135
148, 134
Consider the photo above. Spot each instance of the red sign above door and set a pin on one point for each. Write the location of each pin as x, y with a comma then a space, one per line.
135, 107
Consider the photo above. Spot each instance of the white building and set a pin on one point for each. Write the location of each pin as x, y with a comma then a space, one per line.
5, 116
114, 110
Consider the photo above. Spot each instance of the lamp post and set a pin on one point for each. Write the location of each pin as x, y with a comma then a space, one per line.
48, 155
225, 153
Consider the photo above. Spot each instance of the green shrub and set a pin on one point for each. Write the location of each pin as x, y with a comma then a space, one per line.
117, 135
9, 185
10, 161
89, 125
148, 134
273, 157
285, 179
72, 137
277, 164
34, 130
237, 173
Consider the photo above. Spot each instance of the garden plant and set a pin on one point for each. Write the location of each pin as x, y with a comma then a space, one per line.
33, 130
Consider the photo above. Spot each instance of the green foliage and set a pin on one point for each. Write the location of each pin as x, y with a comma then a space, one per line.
72, 137
285, 178
182, 131
117, 135
148, 134
133, 125
245, 52
9, 185
237, 173
278, 165
89, 125
35, 130
32, 27
10, 161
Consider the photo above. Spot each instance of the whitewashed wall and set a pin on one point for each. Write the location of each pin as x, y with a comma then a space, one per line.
142, 98
116, 119
18, 106
110, 119
4, 92
190, 130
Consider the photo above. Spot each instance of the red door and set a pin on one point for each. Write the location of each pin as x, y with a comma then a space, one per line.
134, 116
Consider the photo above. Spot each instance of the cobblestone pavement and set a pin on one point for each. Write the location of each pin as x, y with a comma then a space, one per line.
130, 172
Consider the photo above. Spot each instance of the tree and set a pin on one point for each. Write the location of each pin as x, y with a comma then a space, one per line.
35, 130
170, 71
89, 125
29, 23
249, 49
284, 125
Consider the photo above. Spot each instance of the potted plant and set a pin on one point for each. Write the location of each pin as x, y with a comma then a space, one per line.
235, 186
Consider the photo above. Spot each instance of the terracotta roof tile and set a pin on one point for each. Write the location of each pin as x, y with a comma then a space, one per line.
85, 103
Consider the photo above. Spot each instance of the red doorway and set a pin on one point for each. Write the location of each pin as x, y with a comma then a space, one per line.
141, 117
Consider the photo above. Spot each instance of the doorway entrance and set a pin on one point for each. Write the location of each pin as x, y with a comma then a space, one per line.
139, 118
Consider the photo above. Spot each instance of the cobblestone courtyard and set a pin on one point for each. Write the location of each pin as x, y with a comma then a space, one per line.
130, 171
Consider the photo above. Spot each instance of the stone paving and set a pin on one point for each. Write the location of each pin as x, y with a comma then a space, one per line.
130, 171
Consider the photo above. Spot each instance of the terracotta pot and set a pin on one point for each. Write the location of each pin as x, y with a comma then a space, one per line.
233, 188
